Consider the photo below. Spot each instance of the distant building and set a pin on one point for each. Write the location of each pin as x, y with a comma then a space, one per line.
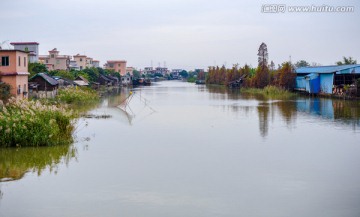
14, 71
80, 61
149, 70
129, 70
176, 73
31, 47
161, 70
74, 65
89, 62
54, 61
116, 65
96, 63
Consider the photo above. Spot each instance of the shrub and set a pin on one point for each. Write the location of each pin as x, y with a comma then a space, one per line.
30, 123
77, 95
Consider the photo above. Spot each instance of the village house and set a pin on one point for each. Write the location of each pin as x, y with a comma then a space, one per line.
81, 81
14, 71
80, 61
43, 86
116, 65
96, 63
89, 62
32, 48
129, 70
54, 61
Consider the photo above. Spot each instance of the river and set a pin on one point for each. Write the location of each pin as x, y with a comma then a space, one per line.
176, 149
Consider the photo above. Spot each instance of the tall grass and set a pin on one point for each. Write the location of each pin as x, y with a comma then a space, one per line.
77, 95
31, 123
270, 91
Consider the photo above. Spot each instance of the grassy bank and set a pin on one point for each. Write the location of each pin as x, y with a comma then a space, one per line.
271, 92
43, 122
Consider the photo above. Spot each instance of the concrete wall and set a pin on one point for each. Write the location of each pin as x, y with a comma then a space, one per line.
14, 64
31, 47
80, 61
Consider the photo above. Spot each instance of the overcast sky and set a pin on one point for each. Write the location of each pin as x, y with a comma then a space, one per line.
183, 33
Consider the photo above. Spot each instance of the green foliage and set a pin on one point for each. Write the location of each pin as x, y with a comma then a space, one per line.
136, 74
184, 74
301, 63
271, 92
191, 79
30, 123
4, 91
77, 95
63, 74
92, 74
347, 61
35, 68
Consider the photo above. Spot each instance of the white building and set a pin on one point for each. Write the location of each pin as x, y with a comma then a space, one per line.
31, 47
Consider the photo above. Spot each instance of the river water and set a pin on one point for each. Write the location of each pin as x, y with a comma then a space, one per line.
182, 150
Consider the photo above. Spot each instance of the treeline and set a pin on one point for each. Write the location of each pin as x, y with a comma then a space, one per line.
260, 77
91, 74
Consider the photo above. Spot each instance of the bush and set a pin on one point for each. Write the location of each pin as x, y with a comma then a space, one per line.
4, 91
77, 95
30, 123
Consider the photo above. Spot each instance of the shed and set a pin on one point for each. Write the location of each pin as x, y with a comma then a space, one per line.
43, 85
323, 79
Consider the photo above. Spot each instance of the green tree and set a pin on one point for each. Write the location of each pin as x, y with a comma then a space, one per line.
347, 61
184, 74
301, 63
136, 74
35, 68
63, 74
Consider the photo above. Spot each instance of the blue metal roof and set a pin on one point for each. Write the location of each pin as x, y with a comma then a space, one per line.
342, 69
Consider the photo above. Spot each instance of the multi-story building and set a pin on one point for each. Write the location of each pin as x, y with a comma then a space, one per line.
129, 70
31, 47
116, 65
161, 70
149, 70
54, 61
80, 61
14, 71
89, 62
96, 63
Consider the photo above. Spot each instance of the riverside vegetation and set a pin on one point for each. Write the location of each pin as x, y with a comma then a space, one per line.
36, 123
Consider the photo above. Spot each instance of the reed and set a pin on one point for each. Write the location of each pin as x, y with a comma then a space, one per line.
31, 123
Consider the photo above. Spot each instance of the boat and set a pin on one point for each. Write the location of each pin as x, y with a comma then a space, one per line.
200, 82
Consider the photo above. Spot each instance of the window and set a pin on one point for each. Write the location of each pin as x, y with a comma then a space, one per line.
80, 59
47, 61
57, 61
19, 89
52, 56
119, 65
25, 61
19, 60
26, 49
5, 61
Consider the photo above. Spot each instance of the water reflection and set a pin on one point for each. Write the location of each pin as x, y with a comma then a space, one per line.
15, 163
334, 111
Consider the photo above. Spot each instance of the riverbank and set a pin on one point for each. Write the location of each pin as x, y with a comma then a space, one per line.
45, 122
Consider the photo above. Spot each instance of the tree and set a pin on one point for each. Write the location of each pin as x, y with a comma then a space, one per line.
35, 68
347, 61
301, 63
184, 74
263, 55
287, 76
136, 74
262, 76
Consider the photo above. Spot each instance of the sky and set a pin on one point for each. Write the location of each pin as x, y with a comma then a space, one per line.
183, 34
